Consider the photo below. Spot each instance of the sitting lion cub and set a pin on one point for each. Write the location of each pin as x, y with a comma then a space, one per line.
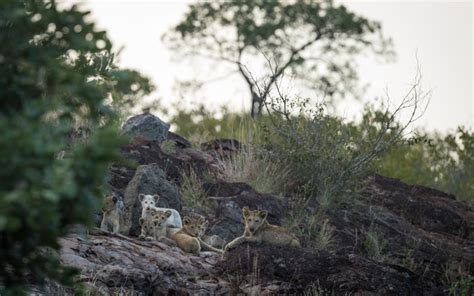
150, 201
257, 229
153, 226
111, 214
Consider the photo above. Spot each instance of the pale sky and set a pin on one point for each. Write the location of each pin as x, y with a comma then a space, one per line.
439, 33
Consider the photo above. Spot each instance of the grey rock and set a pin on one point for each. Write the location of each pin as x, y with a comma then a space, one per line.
117, 265
148, 126
148, 179
231, 198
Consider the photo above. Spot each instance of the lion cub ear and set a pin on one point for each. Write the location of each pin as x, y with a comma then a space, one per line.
186, 220
263, 214
245, 211
156, 197
168, 213
141, 196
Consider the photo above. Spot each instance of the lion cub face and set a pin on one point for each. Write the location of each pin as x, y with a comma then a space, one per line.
159, 218
193, 225
153, 221
148, 200
254, 219
109, 203
148, 228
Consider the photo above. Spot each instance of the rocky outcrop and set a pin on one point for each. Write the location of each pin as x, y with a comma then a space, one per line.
174, 164
420, 228
148, 179
111, 263
390, 239
147, 126
305, 270
179, 141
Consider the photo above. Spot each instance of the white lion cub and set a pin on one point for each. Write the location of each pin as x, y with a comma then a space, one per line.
150, 201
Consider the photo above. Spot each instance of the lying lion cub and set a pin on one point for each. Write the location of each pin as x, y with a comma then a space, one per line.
257, 229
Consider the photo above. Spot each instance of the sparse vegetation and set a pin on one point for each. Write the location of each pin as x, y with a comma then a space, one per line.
458, 278
257, 167
192, 192
375, 245
168, 147
408, 260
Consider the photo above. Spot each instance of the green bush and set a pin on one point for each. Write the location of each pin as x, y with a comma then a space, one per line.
328, 158
56, 70
321, 154
445, 162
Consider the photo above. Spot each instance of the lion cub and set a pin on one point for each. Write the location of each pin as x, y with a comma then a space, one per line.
187, 237
153, 226
111, 214
150, 201
257, 229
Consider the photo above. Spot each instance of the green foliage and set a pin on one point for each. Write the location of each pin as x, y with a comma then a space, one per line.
458, 278
325, 158
375, 246
313, 41
202, 124
408, 261
128, 87
199, 124
256, 167
56, 70
168, 146
442, 162
193, 194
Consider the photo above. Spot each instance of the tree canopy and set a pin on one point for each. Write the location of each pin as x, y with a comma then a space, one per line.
314, 42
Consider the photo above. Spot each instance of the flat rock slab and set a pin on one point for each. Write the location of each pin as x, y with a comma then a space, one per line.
110, 261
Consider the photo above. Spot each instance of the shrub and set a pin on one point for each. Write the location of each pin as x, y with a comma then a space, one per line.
328, 158
55, 74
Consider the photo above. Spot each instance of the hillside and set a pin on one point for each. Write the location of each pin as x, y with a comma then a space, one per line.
392, 239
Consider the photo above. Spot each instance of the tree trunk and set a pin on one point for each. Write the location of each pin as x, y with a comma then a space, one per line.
257, 105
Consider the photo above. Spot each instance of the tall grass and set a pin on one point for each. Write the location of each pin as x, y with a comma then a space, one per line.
192, 192
257, 167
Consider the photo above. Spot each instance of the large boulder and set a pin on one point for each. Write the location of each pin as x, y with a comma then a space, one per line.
148, 126
176, 163
148, 179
